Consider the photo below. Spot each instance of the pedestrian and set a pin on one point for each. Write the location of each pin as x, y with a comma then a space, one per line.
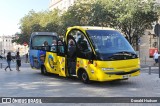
82, 44
18, 61
71, 57
155, 57
27, 58
9, 58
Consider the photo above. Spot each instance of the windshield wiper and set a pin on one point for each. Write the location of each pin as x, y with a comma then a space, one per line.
125, 53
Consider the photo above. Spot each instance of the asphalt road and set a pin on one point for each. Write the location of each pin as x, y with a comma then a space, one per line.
30, 83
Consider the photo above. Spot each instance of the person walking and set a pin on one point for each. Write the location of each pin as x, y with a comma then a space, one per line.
155, 57
9, 58
18, 61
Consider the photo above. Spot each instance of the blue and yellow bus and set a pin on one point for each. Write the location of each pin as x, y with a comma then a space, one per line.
88, 53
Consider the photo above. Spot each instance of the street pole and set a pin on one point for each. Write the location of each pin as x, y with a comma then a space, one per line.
159, 49
159, 56
157, 32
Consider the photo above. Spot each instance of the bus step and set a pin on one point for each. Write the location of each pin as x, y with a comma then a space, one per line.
73, 75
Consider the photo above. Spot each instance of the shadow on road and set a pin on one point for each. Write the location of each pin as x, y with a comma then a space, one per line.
115, 83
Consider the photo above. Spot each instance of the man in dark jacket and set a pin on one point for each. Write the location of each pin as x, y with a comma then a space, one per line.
72, 57
9, 58
82, 44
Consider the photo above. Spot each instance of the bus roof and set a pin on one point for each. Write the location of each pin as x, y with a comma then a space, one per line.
44, 33
90, 28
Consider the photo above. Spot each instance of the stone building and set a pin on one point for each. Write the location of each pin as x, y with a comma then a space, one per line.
62, 5
6, 46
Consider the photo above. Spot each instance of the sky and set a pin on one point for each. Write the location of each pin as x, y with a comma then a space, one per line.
13, 10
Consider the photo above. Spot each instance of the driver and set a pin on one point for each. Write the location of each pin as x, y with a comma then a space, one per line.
82, 44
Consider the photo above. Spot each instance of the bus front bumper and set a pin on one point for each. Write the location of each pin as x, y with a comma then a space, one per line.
110, 76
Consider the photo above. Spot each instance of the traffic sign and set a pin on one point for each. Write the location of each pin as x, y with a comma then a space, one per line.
157, 30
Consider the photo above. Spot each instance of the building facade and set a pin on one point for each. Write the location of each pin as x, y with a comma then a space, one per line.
62, 5
148, 42
6, 46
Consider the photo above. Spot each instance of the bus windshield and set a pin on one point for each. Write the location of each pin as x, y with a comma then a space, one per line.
111, 45
39, 40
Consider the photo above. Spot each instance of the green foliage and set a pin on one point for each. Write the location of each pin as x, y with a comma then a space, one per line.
45, 21
134, 17
131, 17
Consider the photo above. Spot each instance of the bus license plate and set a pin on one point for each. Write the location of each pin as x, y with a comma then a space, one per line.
126, 76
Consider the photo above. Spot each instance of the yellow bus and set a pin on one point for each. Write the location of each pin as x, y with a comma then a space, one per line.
90, 54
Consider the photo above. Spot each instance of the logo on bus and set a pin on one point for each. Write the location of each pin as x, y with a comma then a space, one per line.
51, 61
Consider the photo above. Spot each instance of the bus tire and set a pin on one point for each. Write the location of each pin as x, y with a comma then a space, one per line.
84, 77
43, 70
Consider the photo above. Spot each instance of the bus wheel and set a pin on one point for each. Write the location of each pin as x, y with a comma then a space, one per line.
84, 77
43, 70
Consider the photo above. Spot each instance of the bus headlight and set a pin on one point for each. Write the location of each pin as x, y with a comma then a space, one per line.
107, 69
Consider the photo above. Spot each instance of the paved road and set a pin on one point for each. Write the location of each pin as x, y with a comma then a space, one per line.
30, 83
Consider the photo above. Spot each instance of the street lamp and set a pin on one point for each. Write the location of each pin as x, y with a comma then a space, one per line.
1, 45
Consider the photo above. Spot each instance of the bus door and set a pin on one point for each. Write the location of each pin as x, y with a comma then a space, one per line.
79, 52
51, 61
71, 56
61, 58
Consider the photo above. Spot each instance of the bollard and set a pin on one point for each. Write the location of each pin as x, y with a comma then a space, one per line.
159, 62
149, 70
145, 59
1, 65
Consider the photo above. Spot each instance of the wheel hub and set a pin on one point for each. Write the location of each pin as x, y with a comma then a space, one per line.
84, 76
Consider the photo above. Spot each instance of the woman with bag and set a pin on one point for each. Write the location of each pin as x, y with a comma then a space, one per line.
18, 61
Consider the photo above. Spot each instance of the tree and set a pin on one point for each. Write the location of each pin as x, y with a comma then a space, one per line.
133, 17
37, 22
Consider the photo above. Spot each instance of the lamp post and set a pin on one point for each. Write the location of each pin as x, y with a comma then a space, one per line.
157, 32
1, 45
